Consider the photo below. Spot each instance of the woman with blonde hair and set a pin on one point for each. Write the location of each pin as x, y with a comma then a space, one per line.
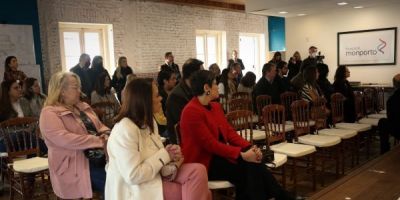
72, 131
119, 78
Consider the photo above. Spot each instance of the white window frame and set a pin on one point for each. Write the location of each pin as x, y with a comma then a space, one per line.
105, 36
260, 56
221, 46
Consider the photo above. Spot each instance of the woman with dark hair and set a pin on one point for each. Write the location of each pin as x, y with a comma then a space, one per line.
96, 69
11, 71
209, 139
119, 78
227, 86
247, 83
12, 104
323, 82
310, 90
32, 93
277, 58
342, 85
294, 65
214, 68
139, 166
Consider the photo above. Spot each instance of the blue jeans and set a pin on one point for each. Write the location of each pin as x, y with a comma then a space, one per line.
98, 178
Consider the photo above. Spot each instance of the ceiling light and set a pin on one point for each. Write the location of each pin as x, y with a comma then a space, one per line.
301, 14
283, 12
342, 3
358, 7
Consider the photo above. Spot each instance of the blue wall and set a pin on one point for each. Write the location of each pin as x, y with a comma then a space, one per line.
23, 12
276, 32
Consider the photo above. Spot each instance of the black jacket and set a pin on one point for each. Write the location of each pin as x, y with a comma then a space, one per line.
346, 90
174, 67
86, 81
119, 83
294, 69
231, 61
263, 87
393, 111
326, 89
176, 101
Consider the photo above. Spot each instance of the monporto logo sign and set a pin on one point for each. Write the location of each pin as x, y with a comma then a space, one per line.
369, 47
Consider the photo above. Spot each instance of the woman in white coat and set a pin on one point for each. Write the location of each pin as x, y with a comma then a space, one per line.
140, 167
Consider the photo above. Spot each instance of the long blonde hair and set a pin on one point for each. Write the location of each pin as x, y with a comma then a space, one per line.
56, 84
118, 70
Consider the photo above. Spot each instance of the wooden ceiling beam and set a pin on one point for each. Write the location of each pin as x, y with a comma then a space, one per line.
208, 4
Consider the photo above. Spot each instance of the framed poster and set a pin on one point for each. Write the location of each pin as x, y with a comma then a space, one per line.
367, 47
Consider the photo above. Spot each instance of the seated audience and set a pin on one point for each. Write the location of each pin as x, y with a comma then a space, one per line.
119, 78
227, 85
310, 90
82, 70
169, 64
282, 74
237, 72
342, 85
166, 80
11, 71
33, 95
247, 83
294, 65
209, 139
180, 96
323, 82
390, 125
214, 68
269, 84
11, 101
65, 123
140, 167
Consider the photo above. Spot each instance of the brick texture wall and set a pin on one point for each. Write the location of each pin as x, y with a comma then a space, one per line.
143, 30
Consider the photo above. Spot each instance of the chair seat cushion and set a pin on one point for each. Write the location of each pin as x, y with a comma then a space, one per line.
257, 134
215, 185
342, 133
293, 150
31, 165
377, 116
279, 160
354, 126
319, 140
312, 122
288, 127
370, 121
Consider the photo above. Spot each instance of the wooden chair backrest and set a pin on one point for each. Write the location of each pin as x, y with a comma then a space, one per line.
241, 95
239, 104
301, 117
106, 112
241, 121
318, 113
359, 104
261, 102
287, 99
369, 100
381, 99
274, 123
20, 136
337, 105
224, 102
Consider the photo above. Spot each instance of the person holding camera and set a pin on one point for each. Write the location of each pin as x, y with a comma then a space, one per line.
209, 139
74, 135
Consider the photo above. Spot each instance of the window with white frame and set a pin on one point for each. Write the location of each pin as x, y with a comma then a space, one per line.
92, 39
209, 47
252, 51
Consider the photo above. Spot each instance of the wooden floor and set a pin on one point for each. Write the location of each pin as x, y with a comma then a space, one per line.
360, 182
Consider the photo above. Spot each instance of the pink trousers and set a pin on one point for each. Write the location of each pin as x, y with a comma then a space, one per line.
190, 183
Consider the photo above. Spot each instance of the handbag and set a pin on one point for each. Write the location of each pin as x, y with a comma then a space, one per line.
267, 155
96, 156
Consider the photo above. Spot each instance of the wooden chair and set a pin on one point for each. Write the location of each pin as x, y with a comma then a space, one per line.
274, 123
21, 138
214, 185
261, 102
381, 100
239, 104
224, 102
287, 99
242, 123
106, 112
327, 146
241, 95
374, 103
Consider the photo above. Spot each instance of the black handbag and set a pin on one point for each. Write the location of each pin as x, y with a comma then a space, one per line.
267, 155
96, 156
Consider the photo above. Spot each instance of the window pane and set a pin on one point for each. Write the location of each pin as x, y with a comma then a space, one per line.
92, 44
200, 48
72, 49
212, 49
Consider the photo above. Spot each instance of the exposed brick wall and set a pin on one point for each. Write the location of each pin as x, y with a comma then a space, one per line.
143, 30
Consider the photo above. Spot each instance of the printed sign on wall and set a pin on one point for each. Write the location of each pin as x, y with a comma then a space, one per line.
367, 47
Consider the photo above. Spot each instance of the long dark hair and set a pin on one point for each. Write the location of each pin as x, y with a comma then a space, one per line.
224, 80
99, 85
96, 64
7, 63
340, 75
27, 88
248, 80
136, 103
6, 108
310, 76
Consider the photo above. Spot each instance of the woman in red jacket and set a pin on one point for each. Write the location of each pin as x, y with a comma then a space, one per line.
208, 138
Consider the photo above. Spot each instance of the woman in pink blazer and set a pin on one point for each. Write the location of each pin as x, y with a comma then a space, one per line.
66, 137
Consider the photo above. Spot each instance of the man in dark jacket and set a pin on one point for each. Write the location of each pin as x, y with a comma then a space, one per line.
170, 65
180, 96
269, 84
82, 70
390, 125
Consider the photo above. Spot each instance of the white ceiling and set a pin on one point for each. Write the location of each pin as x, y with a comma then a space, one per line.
308, 7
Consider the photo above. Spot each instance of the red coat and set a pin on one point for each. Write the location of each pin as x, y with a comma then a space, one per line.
200, 128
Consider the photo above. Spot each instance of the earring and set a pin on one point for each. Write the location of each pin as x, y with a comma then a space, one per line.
208, 93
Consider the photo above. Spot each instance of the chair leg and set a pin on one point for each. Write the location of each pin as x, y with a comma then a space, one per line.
44, 185
21, 177
313, 171
294, 172
284, 176
12, 183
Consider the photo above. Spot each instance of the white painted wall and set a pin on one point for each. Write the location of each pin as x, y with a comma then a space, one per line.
321, 31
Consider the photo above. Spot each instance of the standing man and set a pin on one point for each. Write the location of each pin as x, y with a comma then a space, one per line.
169, 64
234, 62
82, 70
